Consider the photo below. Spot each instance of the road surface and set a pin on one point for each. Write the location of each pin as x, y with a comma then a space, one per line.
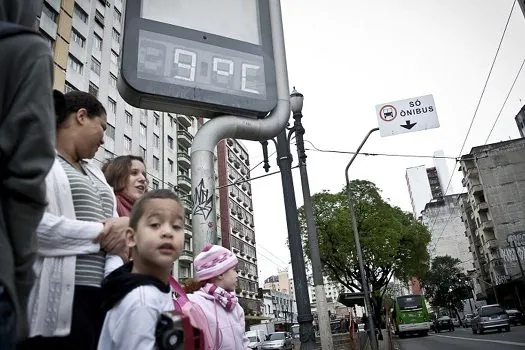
463, 339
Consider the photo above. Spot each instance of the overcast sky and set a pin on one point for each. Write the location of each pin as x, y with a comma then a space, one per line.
347, 56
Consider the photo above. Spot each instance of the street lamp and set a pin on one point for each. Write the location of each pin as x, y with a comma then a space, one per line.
284, 160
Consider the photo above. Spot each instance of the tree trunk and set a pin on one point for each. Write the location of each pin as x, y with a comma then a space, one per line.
377, 305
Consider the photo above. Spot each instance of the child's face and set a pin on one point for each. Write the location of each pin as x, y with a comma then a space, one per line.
159, 238
229, 279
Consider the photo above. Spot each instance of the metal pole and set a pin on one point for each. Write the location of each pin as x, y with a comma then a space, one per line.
317, 272
364, 282
204, 218
304, 312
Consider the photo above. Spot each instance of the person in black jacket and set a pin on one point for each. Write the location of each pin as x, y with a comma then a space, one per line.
26, 155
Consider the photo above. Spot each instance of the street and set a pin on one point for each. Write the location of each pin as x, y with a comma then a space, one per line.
462, 338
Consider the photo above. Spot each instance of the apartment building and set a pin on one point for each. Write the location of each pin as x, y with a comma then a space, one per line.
442, 216
85, 39
493, 212
236, 218
427, 183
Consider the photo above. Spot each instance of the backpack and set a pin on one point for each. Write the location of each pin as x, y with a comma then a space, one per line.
195, 313
8, 29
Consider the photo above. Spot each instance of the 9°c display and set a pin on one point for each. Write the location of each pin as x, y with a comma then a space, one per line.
199, 57
179, 61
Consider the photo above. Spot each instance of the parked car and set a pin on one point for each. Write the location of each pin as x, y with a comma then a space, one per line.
467, 320
444, 322
515, 317
278, 340
490, 317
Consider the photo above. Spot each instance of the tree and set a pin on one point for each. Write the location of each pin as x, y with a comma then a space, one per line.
393, 242
445, 284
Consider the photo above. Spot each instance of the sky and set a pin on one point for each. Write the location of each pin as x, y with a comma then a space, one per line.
348, 56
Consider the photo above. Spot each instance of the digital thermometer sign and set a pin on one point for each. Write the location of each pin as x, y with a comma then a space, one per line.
199, 57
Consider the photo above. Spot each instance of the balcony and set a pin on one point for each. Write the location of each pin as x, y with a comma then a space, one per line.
187, 255
482, 206
184, 160
491, 244
487, 225
185, 138
464, 181
472, 172
184, 183
475, 189
184, 120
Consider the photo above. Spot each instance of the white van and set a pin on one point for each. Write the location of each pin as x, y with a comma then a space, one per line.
256, 338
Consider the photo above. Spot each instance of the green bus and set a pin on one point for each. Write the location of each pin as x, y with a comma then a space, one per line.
410, 315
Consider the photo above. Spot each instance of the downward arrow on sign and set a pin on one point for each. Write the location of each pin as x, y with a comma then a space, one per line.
408, 125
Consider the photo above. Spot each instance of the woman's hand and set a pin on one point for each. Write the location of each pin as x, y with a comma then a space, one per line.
113, 238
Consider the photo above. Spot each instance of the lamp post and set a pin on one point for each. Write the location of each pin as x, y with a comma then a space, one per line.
284, 160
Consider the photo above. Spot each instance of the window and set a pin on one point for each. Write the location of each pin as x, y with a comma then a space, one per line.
172, 121
93, 89
156, 119
95, 66
170, 142
184, 271
49, 39
79, 39
75, 64
116, 35
127, 143
156, 140
156, 163
97, 42
142, 129
81, 14
112, 80
49, 12
112, 105
187, 243
170, 165
68, 88
114, 57
117, 16
99, 19
144, 117
129, 118
155, 183
143, 153
110, 132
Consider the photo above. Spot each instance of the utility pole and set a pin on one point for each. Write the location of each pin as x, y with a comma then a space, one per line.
296, 101
304, 312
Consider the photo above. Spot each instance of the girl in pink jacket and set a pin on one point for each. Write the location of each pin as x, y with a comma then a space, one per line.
215, 267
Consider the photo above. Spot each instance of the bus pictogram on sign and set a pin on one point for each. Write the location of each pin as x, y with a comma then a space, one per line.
388, 113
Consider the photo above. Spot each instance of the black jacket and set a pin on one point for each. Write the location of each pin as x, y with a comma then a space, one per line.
27, 132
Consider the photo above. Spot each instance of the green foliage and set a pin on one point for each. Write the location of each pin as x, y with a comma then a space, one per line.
445, 285
393, 242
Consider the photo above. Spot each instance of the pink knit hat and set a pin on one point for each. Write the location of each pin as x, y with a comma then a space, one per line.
213, 261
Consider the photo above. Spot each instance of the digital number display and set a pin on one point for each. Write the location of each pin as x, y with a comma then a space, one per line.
198, 65
236, 19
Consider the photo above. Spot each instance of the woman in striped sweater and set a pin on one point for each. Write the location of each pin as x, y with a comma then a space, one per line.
80, 238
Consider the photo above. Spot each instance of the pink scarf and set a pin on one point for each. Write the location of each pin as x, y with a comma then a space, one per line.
228, 300
124, 205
